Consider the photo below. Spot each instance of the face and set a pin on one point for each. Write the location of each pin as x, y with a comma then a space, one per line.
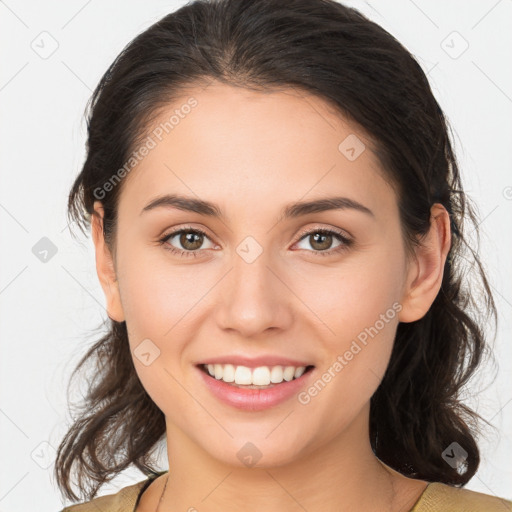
325, 287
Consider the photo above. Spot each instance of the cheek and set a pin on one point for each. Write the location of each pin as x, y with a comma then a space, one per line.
156, 299
157, 293
362, 315
353, 296
162, 302
358, 307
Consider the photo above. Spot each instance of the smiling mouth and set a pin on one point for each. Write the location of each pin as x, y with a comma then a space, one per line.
204, 369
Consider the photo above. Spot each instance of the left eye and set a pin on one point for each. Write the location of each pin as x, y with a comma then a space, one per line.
322, 239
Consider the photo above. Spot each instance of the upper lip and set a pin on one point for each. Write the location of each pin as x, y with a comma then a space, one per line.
254, 362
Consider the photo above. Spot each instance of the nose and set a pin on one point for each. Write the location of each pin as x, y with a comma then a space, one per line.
254, 297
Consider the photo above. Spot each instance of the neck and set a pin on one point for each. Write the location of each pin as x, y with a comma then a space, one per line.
340, 475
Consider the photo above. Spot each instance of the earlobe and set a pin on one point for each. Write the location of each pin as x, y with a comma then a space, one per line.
105, 266
425, 273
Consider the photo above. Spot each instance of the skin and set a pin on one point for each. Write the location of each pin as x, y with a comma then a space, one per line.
253, 153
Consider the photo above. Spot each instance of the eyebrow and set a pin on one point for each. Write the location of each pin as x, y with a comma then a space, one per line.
293, 210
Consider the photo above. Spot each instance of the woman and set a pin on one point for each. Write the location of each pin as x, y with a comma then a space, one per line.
277, 215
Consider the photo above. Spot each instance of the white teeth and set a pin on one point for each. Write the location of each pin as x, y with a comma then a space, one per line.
260, 376
243, 375
288, 373
228, 373
299, 371
276, 374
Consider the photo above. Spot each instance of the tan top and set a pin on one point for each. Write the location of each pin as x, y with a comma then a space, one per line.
436, 497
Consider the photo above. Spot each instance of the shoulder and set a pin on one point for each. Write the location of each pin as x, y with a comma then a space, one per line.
439, 497
122, 501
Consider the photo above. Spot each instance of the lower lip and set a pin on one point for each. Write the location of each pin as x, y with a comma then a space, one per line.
254, 399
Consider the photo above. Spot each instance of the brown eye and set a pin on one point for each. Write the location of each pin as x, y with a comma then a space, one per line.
190, 240
321, 240
185, 242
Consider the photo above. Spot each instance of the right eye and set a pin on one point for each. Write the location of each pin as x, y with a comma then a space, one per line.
190, 239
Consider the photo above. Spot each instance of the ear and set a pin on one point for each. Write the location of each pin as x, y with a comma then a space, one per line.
425, 271
105, 266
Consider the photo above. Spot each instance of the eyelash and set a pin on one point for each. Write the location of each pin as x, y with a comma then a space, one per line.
346, 242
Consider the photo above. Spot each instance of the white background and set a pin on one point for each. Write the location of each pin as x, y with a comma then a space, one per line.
48, 310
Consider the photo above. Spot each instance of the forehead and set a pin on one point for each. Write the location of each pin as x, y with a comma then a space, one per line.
255, 150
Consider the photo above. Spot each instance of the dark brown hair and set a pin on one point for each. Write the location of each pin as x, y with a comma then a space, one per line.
323, 48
